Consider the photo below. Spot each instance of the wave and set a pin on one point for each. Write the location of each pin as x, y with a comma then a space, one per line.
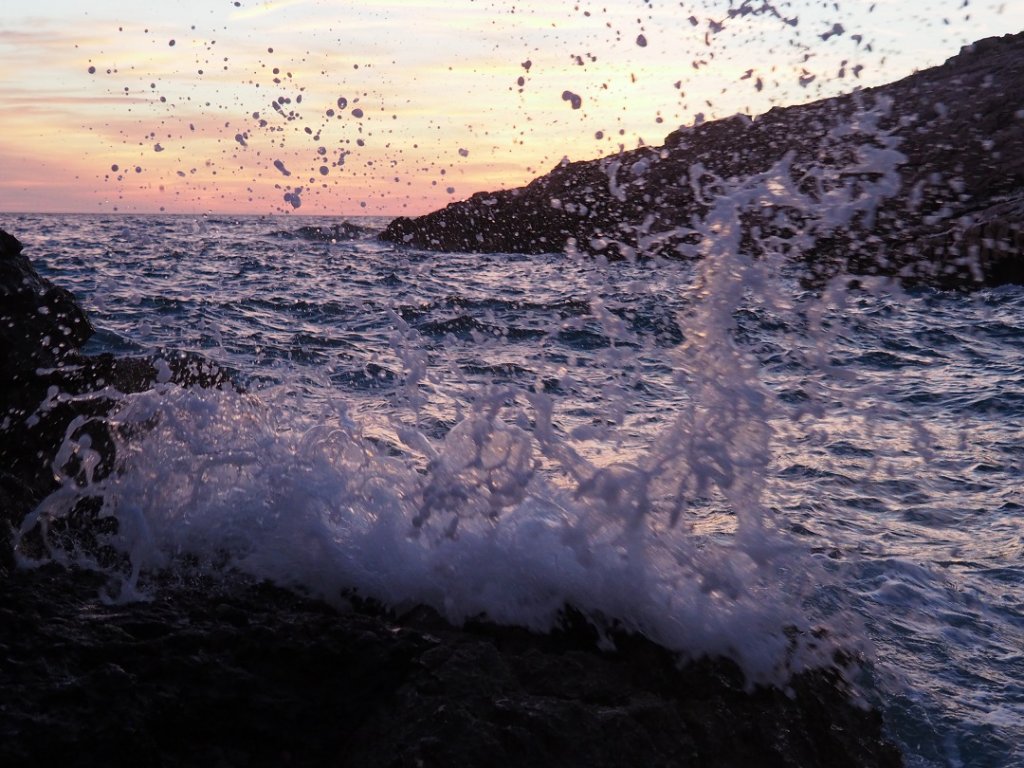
473, 525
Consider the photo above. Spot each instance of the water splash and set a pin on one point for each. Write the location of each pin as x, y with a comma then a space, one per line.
484, 498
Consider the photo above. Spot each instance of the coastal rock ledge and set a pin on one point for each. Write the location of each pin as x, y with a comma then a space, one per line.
954, 218
228, 672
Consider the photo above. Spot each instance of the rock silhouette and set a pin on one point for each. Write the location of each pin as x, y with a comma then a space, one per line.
955, 217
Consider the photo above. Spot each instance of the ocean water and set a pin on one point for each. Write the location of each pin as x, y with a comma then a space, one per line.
712, 453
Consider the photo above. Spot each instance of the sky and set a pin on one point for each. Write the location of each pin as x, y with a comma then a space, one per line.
350, 107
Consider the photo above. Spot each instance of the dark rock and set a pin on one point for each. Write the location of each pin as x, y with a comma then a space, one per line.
988, 245
50, 391
249, 674
344, 230
955, 219
39, 322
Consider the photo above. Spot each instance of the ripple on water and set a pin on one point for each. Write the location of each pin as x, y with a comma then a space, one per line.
924, 537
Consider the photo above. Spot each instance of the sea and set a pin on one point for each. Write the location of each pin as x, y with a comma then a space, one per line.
714, 453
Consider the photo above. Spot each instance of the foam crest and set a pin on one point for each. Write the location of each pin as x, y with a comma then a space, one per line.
213, 481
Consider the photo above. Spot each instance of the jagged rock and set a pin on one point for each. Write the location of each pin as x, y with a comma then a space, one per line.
325, 233
959, 128
989, 244
246, 674
39, 322
344, 230
49, 390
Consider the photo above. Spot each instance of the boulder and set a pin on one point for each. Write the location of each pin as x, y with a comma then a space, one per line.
50, 391
250, 674
40, 324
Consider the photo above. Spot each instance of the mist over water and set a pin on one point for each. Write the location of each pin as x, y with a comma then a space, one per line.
709, 453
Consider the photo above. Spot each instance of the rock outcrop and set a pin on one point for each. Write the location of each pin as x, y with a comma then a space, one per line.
243, 674
50, 391
950, 216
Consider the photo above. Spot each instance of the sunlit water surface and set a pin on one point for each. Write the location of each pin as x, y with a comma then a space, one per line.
885, 444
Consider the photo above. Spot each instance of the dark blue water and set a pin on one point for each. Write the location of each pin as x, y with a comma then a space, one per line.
502, 433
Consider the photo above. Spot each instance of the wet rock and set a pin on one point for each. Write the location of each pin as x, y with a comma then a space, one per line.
344, 230
50, 391
249, 674
40, 323
987, 245
953, 220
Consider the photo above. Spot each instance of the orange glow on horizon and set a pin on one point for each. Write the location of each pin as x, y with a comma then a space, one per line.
438, 100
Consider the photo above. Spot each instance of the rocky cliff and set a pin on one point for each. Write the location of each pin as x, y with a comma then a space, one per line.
921, 179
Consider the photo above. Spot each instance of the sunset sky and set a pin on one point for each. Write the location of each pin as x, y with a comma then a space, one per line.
401, 106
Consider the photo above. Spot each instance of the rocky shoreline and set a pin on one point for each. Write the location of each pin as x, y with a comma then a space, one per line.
242, 673
954, 218
50, 391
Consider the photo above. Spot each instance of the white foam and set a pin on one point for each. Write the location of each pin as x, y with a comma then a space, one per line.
481, 531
